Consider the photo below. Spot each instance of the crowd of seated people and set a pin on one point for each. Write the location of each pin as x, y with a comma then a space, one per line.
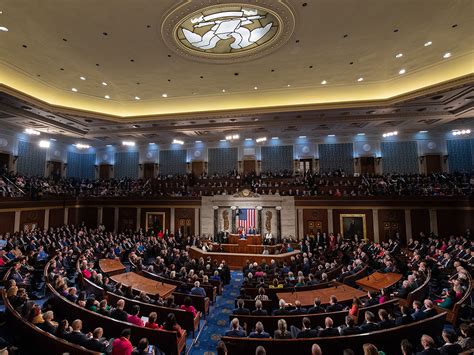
332, 184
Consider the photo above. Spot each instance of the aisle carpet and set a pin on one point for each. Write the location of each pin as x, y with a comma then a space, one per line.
217, 322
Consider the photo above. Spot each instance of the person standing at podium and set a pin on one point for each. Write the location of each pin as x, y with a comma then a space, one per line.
252, 231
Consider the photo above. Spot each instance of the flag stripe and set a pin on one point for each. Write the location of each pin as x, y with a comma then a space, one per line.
247, 218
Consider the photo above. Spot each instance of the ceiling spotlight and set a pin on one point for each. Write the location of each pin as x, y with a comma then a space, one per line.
108, 145
44, 144
361, 134
31, 131
447, 55
82, 78
3, 29
255, 88
107, 97
128, 143
223, 90
399, 55
324, 82
137, 98
423, 132
248, 139
261, 139
288, 85
232, 137
402, 71
360, 79
390, 134
427, 44
458, 132
275, 138
74, 89
197, 141
331, 135
52, 140
104, 83
164, 95
302, 137
82, 146
151, 143
222, 140
178, 141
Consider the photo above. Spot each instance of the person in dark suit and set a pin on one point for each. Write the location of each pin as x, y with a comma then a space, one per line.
371, 300
118, 312
349, 328
418, 313
404, 290
259, 332
97, 342
298, 309
282, 311
429, 309
328, 330
369, 325
385, 321
405, 318
258, 309
47, 325
241, 310
428, 345
76, 336
317, 308
305, 331
450, 347
236, 330
333, 305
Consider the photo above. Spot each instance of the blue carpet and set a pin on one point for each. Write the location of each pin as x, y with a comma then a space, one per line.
217, 322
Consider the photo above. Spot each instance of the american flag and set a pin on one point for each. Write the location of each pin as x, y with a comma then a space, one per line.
247, 218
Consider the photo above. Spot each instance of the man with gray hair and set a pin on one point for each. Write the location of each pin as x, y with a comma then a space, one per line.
236, 330
197, 290
282, 310
259, 332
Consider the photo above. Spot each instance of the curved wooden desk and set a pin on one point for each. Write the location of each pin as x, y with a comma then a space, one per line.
238, 260
251, 239
141, 283
378, 281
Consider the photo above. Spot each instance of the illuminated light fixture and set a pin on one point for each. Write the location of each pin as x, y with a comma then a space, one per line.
128, 143
108, 145
232, 137
248, 139
423, 132
107, 97
44, 144
288, 85
82, 146
222, 140
458, 132
399, 55
402, 71
137, 98
151, 143
361, 134
360, 79
275, 138
3, 29
104, 83
82, 78
261, 139
331, 135
32, 132
197, 141
427, 44
178, 141
447, 55
324, 82
52, 140
390, 134
74, 89
164, 95
255, 87
223, 90
302, 137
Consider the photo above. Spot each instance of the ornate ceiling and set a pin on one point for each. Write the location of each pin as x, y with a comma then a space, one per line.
317, 55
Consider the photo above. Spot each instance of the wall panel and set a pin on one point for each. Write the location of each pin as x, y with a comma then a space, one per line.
420, 222
461, 155
454, 222
336, 156
126, 165
222, 160
7, 222
127, 218
173, 162
368, 218
81, 166
277, 158
32, 218
391, 222
399, 157
56, 217
31, 159
312, 218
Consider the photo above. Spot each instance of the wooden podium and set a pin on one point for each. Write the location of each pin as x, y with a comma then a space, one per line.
252, 239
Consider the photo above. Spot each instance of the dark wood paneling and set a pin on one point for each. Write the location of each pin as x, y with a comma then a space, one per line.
7, 222
391, 221
433, 163
166, 211
108, 214
127, 218
368, 220
56, 217
454, 222
420, 222
35, 217
185, 214
319, 215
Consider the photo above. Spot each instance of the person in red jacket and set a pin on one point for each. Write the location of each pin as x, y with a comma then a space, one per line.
122, 345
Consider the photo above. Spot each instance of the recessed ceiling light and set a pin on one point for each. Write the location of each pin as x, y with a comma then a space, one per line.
427, 44
164, 95
402, 71
331, 135
44, 144
255, 87
137, 98
82, 78
52, 140
324, 82
74, 89
423, 132
222, 140
108, 145
178, 141
447, 55
198, 142
107, 97
361, 134
128, 143
399, 55
3, 29
151, 143
275, 138
288, 85
248, 139
223, 90
302, 137
360, 79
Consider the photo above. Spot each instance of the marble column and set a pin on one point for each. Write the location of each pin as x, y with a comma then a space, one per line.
278, 225
66, 215
139, 214
300, 223
433, 221
16, 226
375, 217
100, 214
408, 230
259, 226
46, 218
330, 221
197, 223
216, 222
172, 221
234, 216
116, 219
